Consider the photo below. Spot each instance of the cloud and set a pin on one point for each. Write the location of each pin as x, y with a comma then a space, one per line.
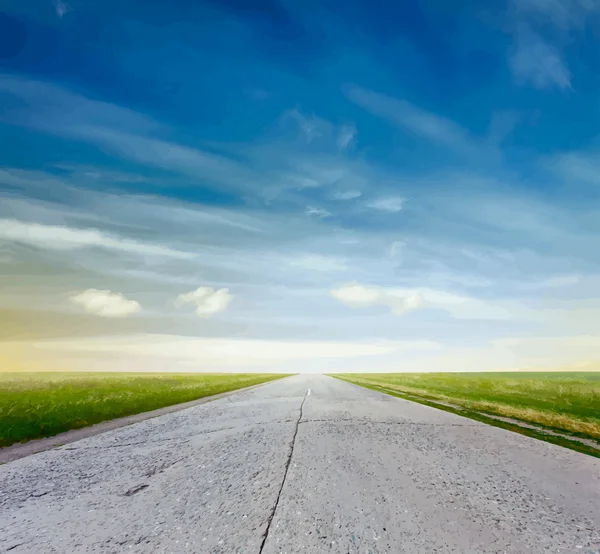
346, 137
105, 303
311, 127
564, 14
390, 204
502, 124
402, 301
536, 62
581, 167
267, 172
396, 248
168, 155
54, 110
208, 301
432, 127
59, 237
318, 212
359, 296
62, 8
346, 194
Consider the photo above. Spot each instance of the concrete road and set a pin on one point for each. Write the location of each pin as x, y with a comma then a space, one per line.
307, 464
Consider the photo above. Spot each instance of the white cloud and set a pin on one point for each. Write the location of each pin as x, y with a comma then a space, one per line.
402, 301
318, 212
105, 303
208, 301
538, 63
346, 137
390, 204
62, 8
59, 237
359, 296
346, 194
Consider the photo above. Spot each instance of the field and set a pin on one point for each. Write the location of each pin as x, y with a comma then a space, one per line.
554, 404
34, 405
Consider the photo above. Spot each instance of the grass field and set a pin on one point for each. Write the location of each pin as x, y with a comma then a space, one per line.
567, 403
34, 405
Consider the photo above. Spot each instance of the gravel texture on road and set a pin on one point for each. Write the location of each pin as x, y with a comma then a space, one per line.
308, 464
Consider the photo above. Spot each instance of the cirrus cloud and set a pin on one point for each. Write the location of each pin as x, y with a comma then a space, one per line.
390, 204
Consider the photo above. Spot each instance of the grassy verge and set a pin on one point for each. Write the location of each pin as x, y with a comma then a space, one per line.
567, 404
35, 405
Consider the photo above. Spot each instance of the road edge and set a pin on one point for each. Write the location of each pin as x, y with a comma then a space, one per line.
539, 434
35, 446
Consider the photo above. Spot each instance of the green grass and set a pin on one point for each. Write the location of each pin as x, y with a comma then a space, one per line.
35, 405
566, 402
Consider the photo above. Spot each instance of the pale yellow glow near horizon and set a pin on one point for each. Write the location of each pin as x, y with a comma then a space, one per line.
165, 353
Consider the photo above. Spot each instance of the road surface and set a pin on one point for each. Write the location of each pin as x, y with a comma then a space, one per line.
308, 464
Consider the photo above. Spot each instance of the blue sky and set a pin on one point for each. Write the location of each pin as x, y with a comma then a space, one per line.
300, 185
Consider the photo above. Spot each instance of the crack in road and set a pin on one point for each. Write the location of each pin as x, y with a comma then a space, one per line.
14, 546
285, 473
136, 489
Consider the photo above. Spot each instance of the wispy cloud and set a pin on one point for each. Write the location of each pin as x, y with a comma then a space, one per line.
318, 212
564, 14
57, 237
502, 124
347, 194
276, 171
346, 137
427, 125
536, 62
310, 126
120, 131
388, 204
54, 109
577, 167
62, 8
396, 248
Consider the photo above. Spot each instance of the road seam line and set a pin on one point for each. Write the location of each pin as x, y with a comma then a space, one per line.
287, 467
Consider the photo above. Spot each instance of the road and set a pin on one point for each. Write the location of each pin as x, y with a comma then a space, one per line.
307, 464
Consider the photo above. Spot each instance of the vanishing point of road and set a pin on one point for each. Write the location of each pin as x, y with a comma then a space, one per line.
308, 464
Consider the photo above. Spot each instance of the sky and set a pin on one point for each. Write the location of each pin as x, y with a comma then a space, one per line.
299, 186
